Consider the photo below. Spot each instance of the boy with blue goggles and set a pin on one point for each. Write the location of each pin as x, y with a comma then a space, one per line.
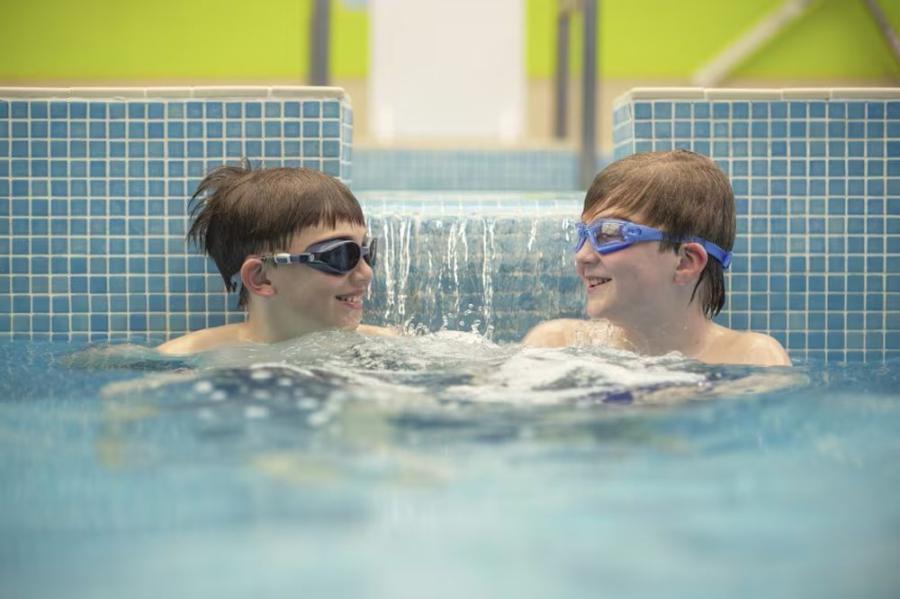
655, 289
608, 235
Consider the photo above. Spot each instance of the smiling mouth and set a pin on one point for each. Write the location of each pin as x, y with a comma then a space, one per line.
596, 282
353, 301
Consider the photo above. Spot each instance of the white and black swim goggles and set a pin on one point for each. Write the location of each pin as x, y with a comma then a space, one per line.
335, 257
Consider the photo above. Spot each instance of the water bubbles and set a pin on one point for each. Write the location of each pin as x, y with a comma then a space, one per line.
317, 419
256, 412
307, 403
203, 387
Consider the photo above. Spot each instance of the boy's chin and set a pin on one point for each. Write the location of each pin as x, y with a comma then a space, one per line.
596, 310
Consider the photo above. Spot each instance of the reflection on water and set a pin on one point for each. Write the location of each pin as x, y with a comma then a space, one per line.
324, 462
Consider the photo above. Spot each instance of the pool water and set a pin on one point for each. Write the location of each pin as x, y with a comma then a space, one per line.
442, 465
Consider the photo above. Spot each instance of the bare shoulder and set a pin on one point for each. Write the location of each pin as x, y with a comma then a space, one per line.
747, 347
203, 340
375, 331
766, 350
555, 333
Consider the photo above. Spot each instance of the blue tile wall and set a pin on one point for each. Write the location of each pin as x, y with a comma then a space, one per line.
94, 195
817, 186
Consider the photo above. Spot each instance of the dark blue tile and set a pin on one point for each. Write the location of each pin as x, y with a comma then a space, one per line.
253, 129
77, 110
273, 110
194, 110
273, 129
253, 149
19, 110
893, 110
798, 110
312, 109
642, 111
214, 110
292, 109
116, 111
233, 110
778, 129
875, 110
137, 110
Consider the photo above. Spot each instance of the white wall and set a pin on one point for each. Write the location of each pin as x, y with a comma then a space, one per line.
447, 69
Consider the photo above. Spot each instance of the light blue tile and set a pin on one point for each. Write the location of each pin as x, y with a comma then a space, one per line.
311, 109
662, 110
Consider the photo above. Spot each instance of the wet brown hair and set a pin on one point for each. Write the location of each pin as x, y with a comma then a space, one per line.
679, 192
238, 211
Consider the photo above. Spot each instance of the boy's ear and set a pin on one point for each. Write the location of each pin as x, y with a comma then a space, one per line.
254, 279
692, 259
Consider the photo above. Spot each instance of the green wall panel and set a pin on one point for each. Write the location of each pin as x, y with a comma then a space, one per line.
196, 40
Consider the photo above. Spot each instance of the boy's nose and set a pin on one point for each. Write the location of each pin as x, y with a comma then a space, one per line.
362, 272
586, 254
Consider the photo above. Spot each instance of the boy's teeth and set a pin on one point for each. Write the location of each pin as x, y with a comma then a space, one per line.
351, 298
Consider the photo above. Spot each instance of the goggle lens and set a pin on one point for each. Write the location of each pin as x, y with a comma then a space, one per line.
342, 257
608, 232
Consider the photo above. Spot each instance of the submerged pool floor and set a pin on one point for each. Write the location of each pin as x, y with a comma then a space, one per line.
442, 466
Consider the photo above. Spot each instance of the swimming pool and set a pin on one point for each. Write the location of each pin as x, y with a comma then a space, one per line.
450, 461
442, 465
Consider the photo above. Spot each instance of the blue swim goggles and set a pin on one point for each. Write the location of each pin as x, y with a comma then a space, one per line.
610, 235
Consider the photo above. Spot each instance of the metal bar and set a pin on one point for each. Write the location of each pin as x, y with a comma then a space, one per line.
716, 70
561, 89
318, 36
587, 163
890, 36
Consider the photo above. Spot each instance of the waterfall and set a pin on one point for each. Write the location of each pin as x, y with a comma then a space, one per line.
496, 272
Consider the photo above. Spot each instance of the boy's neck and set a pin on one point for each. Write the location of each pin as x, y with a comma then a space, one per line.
263, 327
687, 333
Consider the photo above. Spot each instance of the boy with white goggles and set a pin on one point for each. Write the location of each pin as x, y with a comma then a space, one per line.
293, 242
